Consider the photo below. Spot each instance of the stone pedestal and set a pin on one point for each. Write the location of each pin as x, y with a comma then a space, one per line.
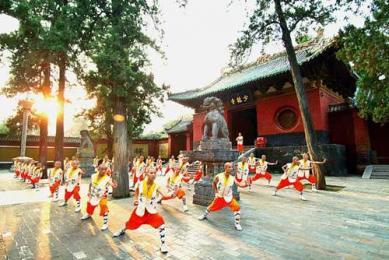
86, 154
213, 161
215, 144
86, 164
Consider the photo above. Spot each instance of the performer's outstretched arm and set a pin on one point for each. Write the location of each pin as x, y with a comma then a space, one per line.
270, 163
89, 189
242, 184
163, 193
136, 195
214, 183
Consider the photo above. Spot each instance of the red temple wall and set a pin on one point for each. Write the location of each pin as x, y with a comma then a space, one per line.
342, 131
379, 141
177, 144
266, 108
327, 98
198, 120
361, 134
318, 101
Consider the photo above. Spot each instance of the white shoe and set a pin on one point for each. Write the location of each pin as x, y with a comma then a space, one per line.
274, 193
238, 227
164, 249
314, 189
185, 208
303, 198
78, 209
119, 233
55, 199
202, 217
86, 216
63, 204
104, 227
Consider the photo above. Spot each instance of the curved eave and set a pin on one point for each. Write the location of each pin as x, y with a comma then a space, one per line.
277, 66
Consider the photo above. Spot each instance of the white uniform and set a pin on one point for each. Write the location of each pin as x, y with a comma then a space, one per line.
145, 203
305, 167
243, 171
72, 178
224, 187
261, 167
98, 188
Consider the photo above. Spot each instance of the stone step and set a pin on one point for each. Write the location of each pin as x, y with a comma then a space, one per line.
380, 177
381, 170
376, 172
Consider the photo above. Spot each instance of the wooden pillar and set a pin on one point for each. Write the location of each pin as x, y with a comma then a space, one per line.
169, 145
361, 139
188, 141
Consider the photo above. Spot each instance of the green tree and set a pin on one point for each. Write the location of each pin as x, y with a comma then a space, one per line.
4, 130
14, 123
278, 19
120, 78
100, 117
30, 67
366, 49
52, 35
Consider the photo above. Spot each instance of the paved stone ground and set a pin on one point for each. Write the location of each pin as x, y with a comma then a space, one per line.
350, 224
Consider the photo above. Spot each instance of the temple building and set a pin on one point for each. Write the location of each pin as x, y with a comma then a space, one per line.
259, 100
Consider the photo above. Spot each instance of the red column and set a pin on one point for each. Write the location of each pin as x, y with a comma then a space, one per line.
169, 145
188, 141
259, 122
361, 134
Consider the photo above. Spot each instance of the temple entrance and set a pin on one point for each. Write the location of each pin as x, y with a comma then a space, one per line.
178, 143
379, 141
244, 121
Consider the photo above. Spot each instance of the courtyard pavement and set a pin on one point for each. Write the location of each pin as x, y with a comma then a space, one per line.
352, 223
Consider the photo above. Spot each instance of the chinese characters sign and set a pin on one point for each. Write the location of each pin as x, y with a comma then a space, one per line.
239, 99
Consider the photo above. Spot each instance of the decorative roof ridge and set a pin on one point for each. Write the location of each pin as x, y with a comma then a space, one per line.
320, 41
317, 43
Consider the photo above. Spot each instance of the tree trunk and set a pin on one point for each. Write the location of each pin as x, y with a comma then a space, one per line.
130, 154
110, 146
310, 136
43, 130
120, 150
108, 133
43, 124
59, 132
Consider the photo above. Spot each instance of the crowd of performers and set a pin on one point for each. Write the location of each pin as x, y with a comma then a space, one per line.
148, 193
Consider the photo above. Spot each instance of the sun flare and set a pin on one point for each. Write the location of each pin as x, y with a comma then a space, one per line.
47, 106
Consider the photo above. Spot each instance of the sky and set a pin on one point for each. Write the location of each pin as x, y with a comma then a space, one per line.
195, 43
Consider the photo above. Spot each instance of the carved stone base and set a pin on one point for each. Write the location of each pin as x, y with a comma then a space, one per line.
215, 144
213, 153
86, 164
204, 194
212, 156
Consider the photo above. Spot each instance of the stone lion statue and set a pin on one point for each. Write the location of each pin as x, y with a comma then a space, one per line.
86, 146
215, 126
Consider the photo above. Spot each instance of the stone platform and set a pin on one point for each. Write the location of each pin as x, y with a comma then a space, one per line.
215, 156
335, 154
213, 161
